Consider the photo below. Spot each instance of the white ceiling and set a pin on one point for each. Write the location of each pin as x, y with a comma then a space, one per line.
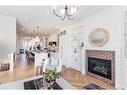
42, 16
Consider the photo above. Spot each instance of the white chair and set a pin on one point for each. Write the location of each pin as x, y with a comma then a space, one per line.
29, 57
12, 59
8, 62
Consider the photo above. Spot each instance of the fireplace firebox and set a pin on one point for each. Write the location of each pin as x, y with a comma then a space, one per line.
100, 67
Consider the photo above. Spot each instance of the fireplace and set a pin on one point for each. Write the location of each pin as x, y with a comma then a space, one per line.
101, 65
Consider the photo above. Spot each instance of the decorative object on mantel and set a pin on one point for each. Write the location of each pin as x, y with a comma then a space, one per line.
68, 11
98, 37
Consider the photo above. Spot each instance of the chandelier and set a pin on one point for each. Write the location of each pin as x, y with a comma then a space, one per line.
36, 37
66, 12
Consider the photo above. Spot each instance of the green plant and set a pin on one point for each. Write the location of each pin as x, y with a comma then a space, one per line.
51, 75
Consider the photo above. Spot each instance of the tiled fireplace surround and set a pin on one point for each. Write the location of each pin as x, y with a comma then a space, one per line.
101, 54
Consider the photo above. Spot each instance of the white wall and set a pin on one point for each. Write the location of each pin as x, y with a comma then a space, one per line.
7, 36
64, 48
17, 43
111, 20
123, 49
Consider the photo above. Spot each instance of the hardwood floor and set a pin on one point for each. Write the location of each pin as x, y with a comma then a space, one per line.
21, 70
24, 70
79, 80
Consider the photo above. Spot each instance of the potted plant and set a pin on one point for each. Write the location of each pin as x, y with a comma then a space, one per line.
50, 76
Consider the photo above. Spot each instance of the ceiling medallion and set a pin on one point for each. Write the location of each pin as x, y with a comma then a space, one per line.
68, 11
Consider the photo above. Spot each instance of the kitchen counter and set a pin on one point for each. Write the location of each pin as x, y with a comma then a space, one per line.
39, 56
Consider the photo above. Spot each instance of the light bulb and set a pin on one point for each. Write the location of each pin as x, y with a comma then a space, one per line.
73, 10
37, 39
62, 12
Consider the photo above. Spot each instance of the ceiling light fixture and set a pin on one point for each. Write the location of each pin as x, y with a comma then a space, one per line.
66, 12
36, 36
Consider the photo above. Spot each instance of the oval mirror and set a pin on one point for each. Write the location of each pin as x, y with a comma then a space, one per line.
98, 37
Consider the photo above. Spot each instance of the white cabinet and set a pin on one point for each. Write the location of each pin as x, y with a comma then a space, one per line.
77, 43
76, 60
76, 57
76, 36
76, 49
